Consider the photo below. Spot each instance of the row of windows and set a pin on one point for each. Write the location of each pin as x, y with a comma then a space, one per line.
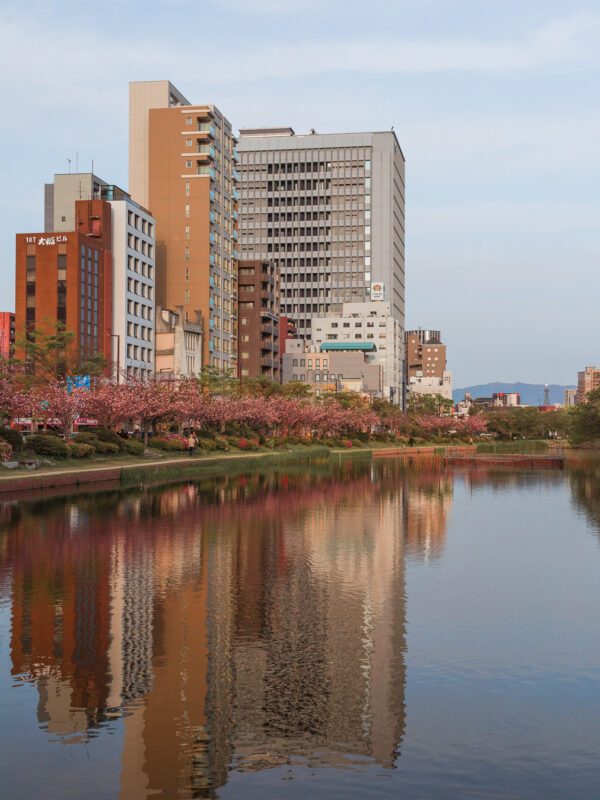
141, 224
140, 267
302, 363
138, 353
136, 309
139, 288
140, 246
137, 331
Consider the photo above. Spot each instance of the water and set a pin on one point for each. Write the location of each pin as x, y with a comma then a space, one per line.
353, 630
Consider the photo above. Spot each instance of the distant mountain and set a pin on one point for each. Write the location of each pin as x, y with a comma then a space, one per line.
532, 394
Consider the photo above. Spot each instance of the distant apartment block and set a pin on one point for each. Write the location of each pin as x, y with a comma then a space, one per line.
424, 354
587, 381
329, 210
258, 322
570, 397
372, 329
7, 334
178, 343
425, 363
183, 167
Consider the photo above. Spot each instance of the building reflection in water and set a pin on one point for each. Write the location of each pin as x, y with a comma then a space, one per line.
236, 623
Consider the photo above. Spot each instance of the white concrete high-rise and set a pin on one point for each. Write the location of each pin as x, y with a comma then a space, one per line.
328, 209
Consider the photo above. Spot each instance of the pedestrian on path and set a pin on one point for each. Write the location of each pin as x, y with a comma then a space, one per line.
192, 442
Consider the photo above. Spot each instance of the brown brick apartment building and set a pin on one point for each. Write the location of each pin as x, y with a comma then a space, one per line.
424, 354
182, 165
258, 304
67, 278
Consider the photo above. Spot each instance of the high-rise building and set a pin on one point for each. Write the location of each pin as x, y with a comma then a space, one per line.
570, 397
7, 334
67, 278
258, 305
373, 329
133, 265
329, 210
587, 381
182, 166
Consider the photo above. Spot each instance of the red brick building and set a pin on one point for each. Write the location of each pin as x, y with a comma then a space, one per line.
7, 334
258, 320
67, 278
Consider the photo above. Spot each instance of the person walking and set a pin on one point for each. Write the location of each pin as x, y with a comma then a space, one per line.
192, 442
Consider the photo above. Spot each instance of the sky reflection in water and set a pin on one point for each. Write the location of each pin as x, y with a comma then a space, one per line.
346, 630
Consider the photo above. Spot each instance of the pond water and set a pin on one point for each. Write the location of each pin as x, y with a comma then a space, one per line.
347, 629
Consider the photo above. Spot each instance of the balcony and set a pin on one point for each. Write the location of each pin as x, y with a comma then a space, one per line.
268, 362
268, 328
266, 344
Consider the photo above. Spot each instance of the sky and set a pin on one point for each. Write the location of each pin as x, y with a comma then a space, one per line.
494, 103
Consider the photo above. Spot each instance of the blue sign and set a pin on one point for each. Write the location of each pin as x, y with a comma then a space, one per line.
78, 382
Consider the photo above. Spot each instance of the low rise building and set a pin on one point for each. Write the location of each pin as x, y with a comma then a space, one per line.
506, 399
330, 371
587, 381
432, 385
371, 329
258, 309
178, 343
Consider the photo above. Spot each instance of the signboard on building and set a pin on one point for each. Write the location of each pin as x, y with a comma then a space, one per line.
378, 291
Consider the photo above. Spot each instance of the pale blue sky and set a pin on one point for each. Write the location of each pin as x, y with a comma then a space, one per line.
494, 103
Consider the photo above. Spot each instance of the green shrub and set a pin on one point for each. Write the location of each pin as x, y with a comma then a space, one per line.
269, 443
356, 443
306, 441
48, 432
222, 443
134, 447
170, 444
86, 438
104, 434
329, 442
47, 445
293, 440
207, 444
13, 437
80, 450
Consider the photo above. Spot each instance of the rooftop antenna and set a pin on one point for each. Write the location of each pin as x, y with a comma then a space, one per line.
69, 160
547, 395
77, 161
92, 166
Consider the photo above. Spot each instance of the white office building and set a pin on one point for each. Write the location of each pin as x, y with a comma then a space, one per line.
371, 328
133, 249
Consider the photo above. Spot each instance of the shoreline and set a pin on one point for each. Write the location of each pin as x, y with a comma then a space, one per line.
152, 471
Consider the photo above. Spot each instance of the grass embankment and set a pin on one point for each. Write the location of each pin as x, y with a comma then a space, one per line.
165, 466
524, 446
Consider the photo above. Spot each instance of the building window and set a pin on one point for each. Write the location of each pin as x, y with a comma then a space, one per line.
187, 209
188, 120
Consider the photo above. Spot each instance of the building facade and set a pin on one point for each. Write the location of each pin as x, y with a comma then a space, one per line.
133, 248
570, 397
258, 308
7, 334
178, 343
183, 167
66, 278
373, 329
587, 381
424, 354
330, 372
329, 210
